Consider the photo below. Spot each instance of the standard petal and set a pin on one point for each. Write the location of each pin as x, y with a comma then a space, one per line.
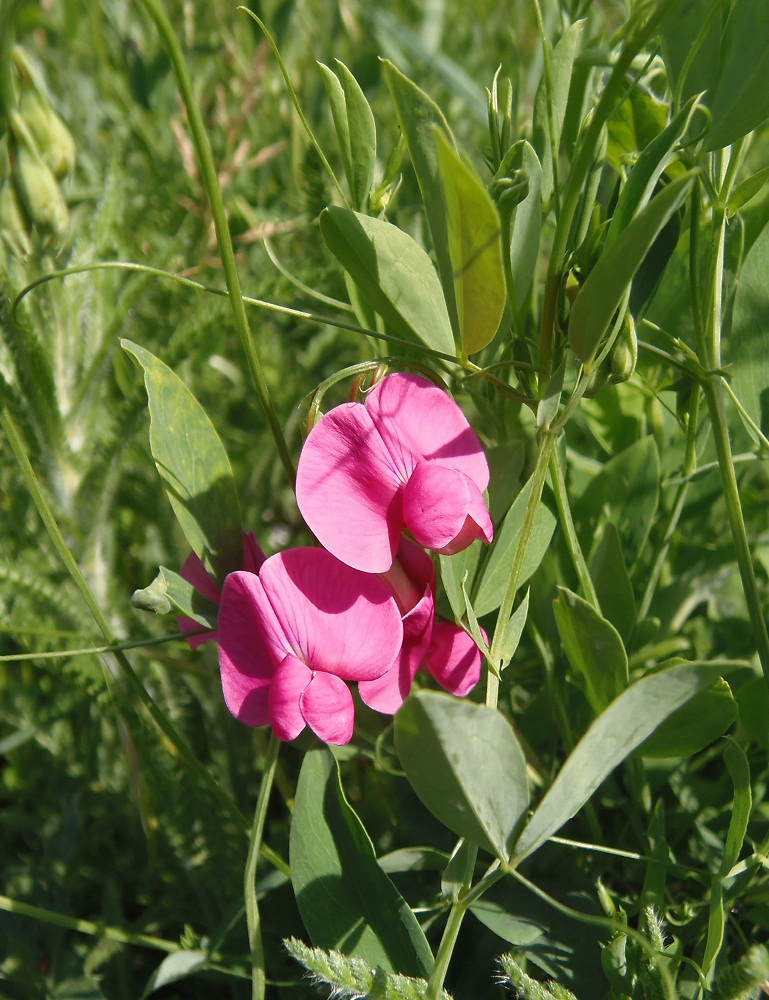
348, 491
194, 572
248, 652
420, 422
453, 659
335, 619
443, 509
253, 556
288, 684
328, 709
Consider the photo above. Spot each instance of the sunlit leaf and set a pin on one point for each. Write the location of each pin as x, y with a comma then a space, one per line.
749, 343
355, 129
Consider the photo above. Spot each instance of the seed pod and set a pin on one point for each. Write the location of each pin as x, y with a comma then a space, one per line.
40, 196
52, 138
13, 228
625, 354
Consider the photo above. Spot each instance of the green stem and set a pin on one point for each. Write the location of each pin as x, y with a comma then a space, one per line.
567, 526
210, 182
258, 979
54, 532
713, 392
445, 951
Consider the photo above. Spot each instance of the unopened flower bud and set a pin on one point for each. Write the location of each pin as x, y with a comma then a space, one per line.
625, 354
40, 196
13, 229
52, 138
596, 380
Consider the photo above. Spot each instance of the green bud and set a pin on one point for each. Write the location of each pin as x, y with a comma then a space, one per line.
51, 136
13, 229
596, 380
40, 196
624, 357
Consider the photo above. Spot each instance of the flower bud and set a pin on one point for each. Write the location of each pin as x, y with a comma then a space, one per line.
625, 354
52, 138
13, 229
40, 196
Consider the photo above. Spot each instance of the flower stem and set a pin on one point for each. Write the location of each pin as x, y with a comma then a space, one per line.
253, 922
210, 182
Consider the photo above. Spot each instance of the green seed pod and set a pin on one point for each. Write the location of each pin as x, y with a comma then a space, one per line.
625, 354
51, 136
40, 196
13, 229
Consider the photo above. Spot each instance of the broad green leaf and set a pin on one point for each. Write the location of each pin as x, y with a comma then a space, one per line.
749, 342
194, 467
740, 101
526, 226
355, 129
345, 899
169, 592
691, 40
633, 127
593, 647
174, 967
613, 736
474, 247
418, 116
393, 273
706, 717
495, 570
612, 582
625, 492
550, 102
603, 291
465, 764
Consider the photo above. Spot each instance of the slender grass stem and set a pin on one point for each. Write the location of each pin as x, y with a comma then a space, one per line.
569, 532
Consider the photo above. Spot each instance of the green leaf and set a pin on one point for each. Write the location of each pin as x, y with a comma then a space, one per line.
526, 225
474, 248
454, 570
494, 572
465, 764
739, 770
169, 592
513, 631
550, 102
174, 967
355, 130
706, 717
194, 467
606, 285
417, 116
747, 190
753, 700
593, 647
691, 42
749, 342
740, 101
612, 582
625, 492
612, 737
345, 899
393, 273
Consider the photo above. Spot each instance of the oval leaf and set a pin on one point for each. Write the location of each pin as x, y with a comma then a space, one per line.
393, 273
193, 465
465, 764
612, 737
689, 730
603, 291
346, 901
474, 247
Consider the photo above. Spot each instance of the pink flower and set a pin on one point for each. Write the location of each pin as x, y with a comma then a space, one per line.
194, 572
292, 635
407, 458
442, 648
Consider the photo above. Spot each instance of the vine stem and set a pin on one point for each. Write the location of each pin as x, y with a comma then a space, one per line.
253, 922
569, 532
211, 185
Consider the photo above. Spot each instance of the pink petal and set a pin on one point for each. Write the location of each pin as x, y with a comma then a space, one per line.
328, 709
334, 618
387, 693
443, 509
348, 490
253, 556
453, 659
185, 625
288, 684
248, 656
194, 572
417, 421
